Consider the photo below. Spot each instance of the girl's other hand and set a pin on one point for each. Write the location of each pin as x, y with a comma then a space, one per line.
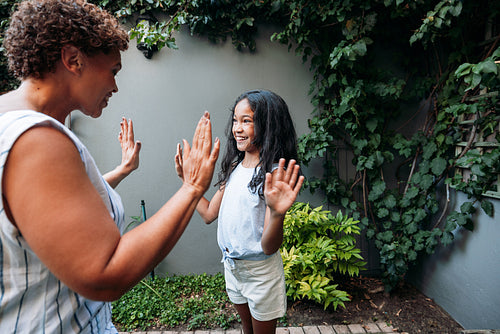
282, 187
178, 162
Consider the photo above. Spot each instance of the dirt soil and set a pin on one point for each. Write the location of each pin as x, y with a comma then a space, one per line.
405, 309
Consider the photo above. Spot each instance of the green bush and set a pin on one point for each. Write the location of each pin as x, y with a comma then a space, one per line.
198, 301
317, 245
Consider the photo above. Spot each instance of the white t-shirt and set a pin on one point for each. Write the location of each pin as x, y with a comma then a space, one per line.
241, 218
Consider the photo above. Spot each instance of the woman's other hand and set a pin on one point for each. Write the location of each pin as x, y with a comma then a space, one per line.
130, 147
130, 154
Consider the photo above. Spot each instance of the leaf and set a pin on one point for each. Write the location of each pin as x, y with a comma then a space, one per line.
371, 124
390, 201
438, 165
463, 69
487, 66
467, 208
429, 150
377, 190
487, 207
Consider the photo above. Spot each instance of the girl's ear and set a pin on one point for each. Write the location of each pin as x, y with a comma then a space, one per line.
72, 59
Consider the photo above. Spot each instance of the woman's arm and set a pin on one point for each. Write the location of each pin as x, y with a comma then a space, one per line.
62, 217
208, 210
280, 191
130, 154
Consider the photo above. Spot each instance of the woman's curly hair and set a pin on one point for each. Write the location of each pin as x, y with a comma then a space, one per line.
39, 29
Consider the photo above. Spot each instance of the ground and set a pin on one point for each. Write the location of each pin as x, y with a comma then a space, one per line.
405, 308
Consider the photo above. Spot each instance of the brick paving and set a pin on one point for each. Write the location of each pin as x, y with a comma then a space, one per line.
378, 328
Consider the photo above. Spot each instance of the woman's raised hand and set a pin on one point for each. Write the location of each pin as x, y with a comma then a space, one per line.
130, 147
130, 154
195, 164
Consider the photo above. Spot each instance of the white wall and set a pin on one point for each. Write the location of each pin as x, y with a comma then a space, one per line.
464, 278
165, 97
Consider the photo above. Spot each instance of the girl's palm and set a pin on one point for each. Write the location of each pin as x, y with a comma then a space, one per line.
282, 187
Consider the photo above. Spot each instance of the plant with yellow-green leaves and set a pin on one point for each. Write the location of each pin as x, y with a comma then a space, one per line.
317, 246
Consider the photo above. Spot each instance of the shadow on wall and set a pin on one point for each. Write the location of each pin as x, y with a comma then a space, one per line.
463, 277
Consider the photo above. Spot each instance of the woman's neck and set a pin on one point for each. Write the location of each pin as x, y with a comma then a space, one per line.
35, 95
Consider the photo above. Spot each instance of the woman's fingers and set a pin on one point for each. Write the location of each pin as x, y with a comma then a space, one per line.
198, 161
203, 132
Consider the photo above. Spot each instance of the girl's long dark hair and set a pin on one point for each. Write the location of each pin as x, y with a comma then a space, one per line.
274, 136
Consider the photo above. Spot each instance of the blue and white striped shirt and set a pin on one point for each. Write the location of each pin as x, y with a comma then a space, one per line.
32, 299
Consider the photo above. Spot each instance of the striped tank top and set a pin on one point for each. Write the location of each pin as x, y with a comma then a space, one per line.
32, 299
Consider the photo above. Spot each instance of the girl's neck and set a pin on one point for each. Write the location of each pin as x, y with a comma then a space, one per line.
250, 160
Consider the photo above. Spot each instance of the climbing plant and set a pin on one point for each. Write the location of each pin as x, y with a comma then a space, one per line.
379, 67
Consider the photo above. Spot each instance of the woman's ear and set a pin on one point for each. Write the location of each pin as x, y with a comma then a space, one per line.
72, 59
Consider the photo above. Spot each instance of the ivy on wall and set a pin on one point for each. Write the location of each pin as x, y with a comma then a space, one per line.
370, 60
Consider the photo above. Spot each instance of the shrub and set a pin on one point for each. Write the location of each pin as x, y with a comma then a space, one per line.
316, 245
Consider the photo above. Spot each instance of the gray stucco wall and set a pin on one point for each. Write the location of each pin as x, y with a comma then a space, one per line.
165, 97
464, 278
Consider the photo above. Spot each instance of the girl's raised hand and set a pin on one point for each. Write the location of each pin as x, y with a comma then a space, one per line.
282, 187
178, 162
195, 165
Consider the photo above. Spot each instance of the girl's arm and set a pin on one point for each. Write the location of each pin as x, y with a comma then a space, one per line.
208, 210
60, 214
130, 154
280, 191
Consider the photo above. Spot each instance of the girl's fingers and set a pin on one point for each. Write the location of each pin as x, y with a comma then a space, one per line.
298, 185
179, 152
215, 152
280, 171
268, 181
294, 175
289, 170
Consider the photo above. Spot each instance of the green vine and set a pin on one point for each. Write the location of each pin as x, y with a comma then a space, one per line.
372, 62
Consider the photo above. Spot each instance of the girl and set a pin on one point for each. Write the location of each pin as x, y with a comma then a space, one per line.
255, 192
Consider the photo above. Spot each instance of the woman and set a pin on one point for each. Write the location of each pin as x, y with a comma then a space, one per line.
62, 256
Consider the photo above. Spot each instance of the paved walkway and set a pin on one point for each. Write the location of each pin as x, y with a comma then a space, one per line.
379, 327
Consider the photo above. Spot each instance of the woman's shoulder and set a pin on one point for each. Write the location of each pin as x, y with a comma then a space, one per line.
23, 120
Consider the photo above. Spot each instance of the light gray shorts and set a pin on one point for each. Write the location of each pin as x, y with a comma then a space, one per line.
261, 284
